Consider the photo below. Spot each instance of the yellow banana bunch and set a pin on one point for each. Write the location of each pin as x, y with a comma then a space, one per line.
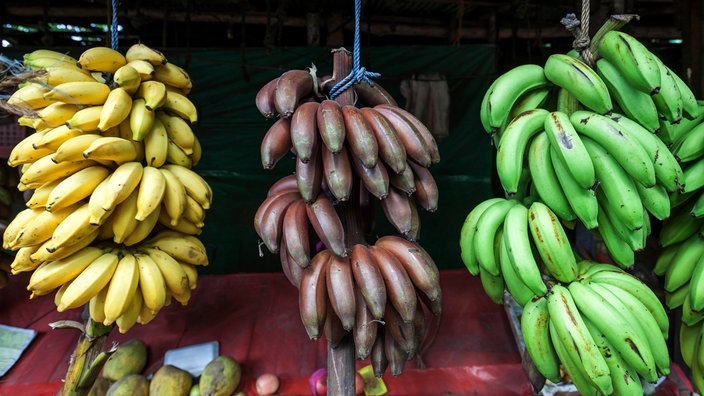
114, 206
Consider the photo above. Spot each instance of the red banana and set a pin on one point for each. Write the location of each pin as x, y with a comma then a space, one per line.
395, 353
292, 87
331, 125
276, 143
292, 271
378, 356
375, 179
296, 230
403, 332
337, 172
426, 193
425, 134
365, 327
399, 287
334, 332
391, 148
372, 95
341, 290
368, 279
313, 295
309, 175
404, 181
272, 220
327, 224
286, 183
304, 130
416, 147
418, 264
360, 137
265, 99
397, 208
264, 206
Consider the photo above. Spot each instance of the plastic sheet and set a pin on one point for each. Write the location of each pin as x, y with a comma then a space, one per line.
254, 317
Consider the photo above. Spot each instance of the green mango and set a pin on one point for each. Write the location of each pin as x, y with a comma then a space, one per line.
171, 380
129, 385
220, 377
128, 358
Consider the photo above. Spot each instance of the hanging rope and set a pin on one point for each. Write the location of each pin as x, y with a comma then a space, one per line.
114, 26
580, 30
357, 74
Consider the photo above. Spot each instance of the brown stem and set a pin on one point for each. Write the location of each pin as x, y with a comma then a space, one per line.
341, 358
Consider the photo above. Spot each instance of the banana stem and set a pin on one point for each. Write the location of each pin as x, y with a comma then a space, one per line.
615, 22
341, 358
82, 368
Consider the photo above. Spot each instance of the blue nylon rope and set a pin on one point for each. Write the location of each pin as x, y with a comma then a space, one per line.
113, 26
357, 74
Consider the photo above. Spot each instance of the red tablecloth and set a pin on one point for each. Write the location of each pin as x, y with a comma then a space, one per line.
255, 319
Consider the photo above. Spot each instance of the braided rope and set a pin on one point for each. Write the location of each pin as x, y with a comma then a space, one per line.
357, 74
114, 27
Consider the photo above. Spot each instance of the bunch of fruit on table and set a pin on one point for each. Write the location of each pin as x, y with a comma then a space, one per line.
615, 146
114, 207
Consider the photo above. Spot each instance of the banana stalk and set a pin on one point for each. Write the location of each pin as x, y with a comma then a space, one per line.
87, 359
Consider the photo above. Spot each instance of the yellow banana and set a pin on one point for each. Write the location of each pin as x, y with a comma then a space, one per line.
174, 76
141, 119
102, 59
98, 215
174, 196
123, 221
192, 273
52, 274
53, 115
181, 105
72, 148
76, 187
195, 185
143, 229
109, 148
41, 194
89, 282
45, 170
116, 109
151, 192
156, 144
49, 54
86, 119
176, 156
144, 68
18, 223
175, 276
151, 282
178, 130
124, 179
72, 229
143, 52
194, 212
41, 228
122, 288
24, 152
96, 306
31, 96
182, 225
127, 78
54, 137
184, 248
153, 92
57, 74
79, 92
22, 261
44, 254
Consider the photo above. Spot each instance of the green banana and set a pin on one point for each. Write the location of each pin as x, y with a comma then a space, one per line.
533, 99
493, 285
569, 146
512, 146
675, 299
582, 200
552, 243
487, 225
572, 365
467, 232
624, 378
668, 171
535, 328
517, 241
574, 339
617, 329
690, 106
637, 105
633, 60
580, 80
690, 146
668, 99
638, 315
634, 238
545, 180
513, 282
618, 187
688, 339
505, 90
655, 199
689, 315
679, 226
664, 258
693, 176
681, 267
619, 249
625, 149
